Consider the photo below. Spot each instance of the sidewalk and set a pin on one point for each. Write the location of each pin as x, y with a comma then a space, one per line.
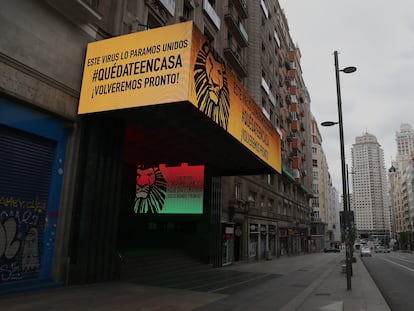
327, 292
330, 293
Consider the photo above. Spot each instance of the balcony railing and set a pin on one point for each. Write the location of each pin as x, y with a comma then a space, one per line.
295, 126
235, 59
83, 10
236, 27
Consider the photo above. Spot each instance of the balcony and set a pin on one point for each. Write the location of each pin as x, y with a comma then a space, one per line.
293, 99
291, 55
296, 144
234, 58
316, 219
294, 107
83, 10
295, 126
296, 163
241, 6
293, 90
236, 27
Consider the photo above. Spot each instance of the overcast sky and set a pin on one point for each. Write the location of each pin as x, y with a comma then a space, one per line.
377, 37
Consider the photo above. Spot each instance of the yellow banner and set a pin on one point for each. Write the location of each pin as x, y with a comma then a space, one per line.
143, 68
217, 92
174, 64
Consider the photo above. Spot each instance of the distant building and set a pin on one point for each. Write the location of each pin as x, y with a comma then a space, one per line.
372, 217
405, 141
401, 182
325, 205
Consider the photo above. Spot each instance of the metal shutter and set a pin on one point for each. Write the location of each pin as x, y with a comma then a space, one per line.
25, 172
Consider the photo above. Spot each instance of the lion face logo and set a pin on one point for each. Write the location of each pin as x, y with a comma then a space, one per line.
150, 190
211, 85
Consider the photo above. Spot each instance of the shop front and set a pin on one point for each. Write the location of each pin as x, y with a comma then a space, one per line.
272, 241
32, 162
253, 241
283, 240
153, 102
228, 244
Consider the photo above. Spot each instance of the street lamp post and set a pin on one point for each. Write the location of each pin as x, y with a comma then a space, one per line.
350, 218
348, 258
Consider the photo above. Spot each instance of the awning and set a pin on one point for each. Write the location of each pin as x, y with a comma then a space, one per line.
178, 133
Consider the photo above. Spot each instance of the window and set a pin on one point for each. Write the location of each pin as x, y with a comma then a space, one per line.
153, 22
252, 196
262, 200
270, 204
270, 179
276, 36
237, 191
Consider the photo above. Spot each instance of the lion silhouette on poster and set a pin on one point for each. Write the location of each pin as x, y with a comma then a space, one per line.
150, 190
211, 85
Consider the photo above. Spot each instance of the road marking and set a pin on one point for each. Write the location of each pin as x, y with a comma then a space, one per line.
402, 259
397, 264
339, 305
234, 284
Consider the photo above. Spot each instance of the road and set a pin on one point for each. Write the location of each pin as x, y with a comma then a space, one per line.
394, 275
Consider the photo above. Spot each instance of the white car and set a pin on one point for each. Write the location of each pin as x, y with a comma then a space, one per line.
366, 252
382, 249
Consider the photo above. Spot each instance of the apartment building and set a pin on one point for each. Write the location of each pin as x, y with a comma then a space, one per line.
276, 207
400, 189
404, 140
76, 202
325, 202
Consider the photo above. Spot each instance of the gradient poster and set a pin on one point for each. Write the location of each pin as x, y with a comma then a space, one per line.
169, 189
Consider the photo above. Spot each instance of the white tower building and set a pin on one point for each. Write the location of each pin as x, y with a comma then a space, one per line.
405, 141
372, 216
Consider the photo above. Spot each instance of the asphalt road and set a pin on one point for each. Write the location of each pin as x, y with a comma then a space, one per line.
394, 275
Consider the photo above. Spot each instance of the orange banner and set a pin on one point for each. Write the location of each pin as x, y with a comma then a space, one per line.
175, 64
217, 92
139, 69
